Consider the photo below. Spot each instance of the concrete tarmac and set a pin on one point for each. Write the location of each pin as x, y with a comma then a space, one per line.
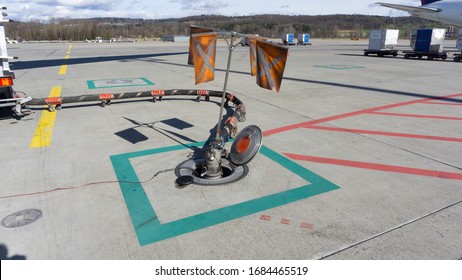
361, 157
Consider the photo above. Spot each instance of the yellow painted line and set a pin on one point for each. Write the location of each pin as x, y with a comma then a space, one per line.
63, 69
44, 130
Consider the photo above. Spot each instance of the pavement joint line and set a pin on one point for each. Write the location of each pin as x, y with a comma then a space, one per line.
390, 230
44, 131
147, 225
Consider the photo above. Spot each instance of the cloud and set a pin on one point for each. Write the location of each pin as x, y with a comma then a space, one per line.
44, 10
201, 5
72, 5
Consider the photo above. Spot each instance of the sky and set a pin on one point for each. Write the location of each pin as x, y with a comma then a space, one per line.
44, 10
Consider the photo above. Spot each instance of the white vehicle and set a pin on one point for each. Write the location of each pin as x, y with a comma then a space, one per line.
447, 11
9, 41
98, 40
9, 98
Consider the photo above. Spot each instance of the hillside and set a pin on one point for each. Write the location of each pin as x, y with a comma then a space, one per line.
326, 26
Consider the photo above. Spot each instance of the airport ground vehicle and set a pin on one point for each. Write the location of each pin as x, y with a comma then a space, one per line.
8, 97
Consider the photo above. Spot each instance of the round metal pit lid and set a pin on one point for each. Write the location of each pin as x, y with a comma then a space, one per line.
21, 218
246, 145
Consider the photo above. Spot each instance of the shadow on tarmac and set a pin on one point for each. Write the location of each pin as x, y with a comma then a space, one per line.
4, 254
333, 84
20, 65
133, 136
58, 62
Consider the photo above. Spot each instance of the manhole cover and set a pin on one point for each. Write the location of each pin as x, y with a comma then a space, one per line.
21, 218
119, 82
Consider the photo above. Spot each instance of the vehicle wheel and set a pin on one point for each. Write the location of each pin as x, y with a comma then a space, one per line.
444, 57
406, 56
366, 53
420, 57
430, 57
457, 59
395, 54
380, 54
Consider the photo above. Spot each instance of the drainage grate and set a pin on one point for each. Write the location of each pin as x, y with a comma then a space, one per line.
21, 218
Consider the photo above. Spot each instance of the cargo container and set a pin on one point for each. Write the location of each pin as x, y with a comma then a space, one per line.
303, 39
427, 42
382, 42
459, 41
457, 57
288, 39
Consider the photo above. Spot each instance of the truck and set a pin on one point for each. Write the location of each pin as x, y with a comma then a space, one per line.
288, 39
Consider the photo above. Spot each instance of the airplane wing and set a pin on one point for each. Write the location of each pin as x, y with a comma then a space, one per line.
410, 9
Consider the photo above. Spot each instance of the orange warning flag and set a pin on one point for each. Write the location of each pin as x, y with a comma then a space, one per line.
271, 61
195, 30
253, 53
204, 46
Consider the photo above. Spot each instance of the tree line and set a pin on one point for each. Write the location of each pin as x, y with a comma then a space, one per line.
272, 26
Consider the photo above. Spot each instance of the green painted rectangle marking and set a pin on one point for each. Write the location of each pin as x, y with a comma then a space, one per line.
147, 225
339, 66
120, 82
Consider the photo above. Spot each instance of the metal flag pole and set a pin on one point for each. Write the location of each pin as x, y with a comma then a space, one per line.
225, 88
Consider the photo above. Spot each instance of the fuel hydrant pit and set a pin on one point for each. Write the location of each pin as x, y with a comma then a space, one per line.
230, 173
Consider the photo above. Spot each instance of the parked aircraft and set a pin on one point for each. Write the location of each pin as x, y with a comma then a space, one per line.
446, 11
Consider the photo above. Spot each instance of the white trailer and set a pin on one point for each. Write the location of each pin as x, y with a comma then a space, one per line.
383, 42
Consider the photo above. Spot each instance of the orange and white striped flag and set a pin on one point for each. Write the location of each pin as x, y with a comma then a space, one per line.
195, 30
253, 53
271, 62
204, 46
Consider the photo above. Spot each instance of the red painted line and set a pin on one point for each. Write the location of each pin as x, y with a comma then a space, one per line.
384, 133
306, 225
417, 116
379, 167
351, 114
285, 222
442, 103
265, 218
